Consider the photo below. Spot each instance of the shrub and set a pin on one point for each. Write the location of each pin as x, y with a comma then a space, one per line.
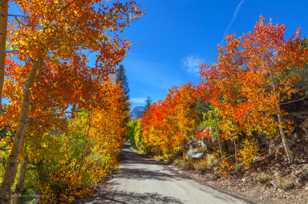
134, 135
263, 178
248, 152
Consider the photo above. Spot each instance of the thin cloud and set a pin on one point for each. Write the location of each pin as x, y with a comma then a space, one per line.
234, 17
192, 63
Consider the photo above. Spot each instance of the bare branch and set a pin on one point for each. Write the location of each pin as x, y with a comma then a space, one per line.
294, 101
17, 15
66, 6
9, 51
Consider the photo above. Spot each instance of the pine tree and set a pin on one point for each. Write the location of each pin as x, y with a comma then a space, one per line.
122, 80
148, 102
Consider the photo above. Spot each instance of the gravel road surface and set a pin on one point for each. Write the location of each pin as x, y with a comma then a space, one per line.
144, 181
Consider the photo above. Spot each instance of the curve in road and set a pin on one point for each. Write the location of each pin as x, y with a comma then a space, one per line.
145, 181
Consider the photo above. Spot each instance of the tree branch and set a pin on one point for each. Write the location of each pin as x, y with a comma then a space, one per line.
294, 101
17, 15
9, 51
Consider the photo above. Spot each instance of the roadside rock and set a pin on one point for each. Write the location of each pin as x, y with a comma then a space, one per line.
301, 175
286, 183
263, 178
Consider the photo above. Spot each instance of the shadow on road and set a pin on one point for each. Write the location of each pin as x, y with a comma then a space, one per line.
120, 197
128, 156
130, 171
143, 174
142, 180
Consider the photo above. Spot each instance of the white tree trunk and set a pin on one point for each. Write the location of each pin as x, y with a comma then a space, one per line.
12, 162
3, 35
284, 140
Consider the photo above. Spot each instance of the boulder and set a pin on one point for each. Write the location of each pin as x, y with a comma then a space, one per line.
195, 154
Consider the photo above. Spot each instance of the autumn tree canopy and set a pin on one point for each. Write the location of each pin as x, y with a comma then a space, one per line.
52, 72
236, 109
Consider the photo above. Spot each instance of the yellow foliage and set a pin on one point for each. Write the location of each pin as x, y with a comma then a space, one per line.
72, 163
225, 167
248, 152
168, 124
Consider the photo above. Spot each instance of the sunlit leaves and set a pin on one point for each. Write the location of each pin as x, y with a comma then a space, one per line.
167, 125
76, 158
53, 41
243, 91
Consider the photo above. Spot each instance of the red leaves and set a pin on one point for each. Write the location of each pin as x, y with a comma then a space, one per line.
167, 124
247, 81
269, 34
204, 134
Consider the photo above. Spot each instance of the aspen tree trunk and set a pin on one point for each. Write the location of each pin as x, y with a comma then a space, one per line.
280, 125
220, 147
235, 153
20, 183
3, 34
284, 139
73, 110
12, 162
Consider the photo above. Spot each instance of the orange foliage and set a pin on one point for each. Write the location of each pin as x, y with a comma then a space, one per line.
242, 91
51, 41
76, 159
241, 82
168, 124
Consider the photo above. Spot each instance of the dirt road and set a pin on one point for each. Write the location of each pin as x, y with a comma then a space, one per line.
145, 181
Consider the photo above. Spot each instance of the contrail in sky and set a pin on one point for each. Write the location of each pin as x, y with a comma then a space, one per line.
234, 17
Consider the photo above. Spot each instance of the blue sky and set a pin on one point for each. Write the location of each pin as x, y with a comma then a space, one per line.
173, 37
